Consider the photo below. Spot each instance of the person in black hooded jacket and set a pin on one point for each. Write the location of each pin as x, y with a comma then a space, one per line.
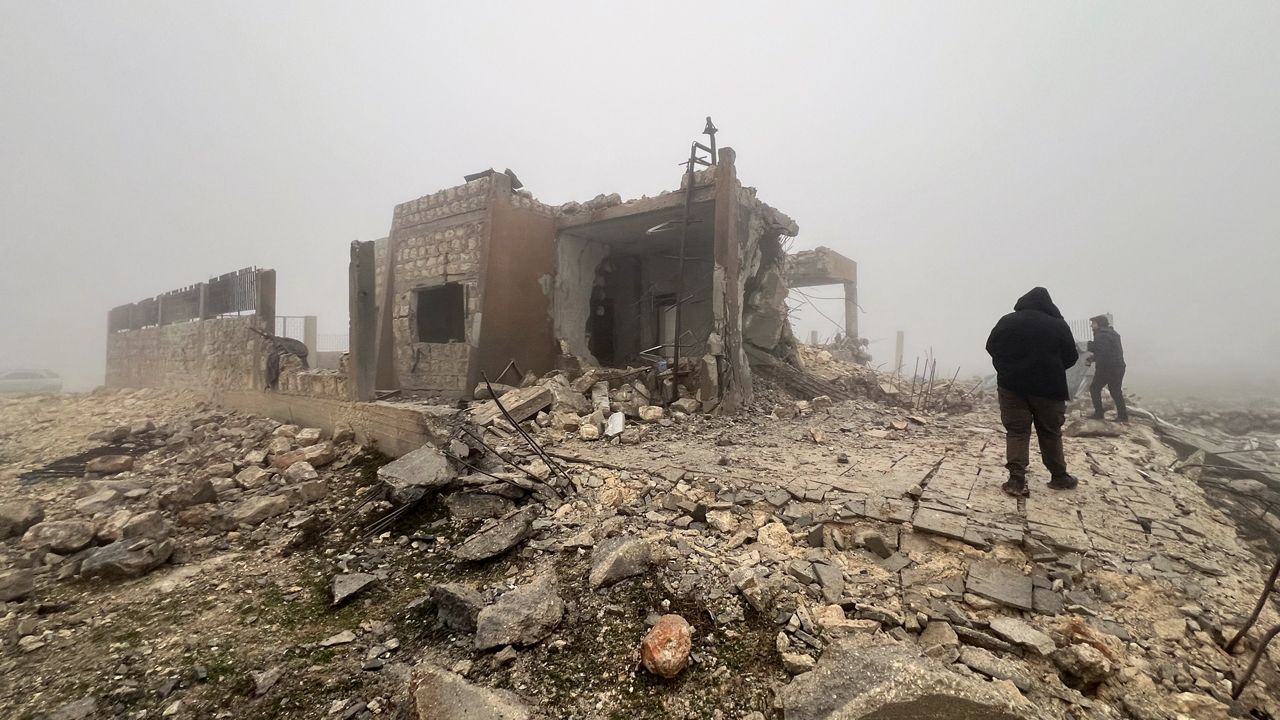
1031, 349
1108, 356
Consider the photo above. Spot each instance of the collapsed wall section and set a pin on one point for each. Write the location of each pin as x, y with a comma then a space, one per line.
750, 304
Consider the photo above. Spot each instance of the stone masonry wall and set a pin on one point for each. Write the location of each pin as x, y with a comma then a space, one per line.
438, 239
220, 353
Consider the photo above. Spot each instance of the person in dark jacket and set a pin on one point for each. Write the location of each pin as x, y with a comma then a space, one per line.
1108, 358
1031, 349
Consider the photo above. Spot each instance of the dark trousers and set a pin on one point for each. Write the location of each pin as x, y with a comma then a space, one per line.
1111, 378
1019, 413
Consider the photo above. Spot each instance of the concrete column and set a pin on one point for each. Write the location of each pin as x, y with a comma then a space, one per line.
362, 359
851, 309
265, 304
309, 337
204, 301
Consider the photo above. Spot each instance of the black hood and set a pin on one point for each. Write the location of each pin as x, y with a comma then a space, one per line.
1038, 299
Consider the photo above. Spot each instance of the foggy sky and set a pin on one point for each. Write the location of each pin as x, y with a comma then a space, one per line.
1126, 156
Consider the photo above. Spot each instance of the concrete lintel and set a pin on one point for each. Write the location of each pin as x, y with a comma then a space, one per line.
821, 266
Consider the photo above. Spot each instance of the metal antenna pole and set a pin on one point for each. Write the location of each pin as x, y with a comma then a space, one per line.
684, 238
710, 130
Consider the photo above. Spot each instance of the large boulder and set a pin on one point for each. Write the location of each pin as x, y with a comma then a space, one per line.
151, 524
109, 464
61, 536
100, 501
417, 473
16, 584
853, 682
438, 694
126, 558
457, 606
17, 516
258, 509
523, 616
348, 585
617, 558
318, 455
253, 477
498, 538
300, 472
196, 491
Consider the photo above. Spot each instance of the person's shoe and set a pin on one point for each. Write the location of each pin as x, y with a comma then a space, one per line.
1064, 482
1016, 488
1098, 416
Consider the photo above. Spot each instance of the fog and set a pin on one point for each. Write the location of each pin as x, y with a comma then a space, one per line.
1125, 156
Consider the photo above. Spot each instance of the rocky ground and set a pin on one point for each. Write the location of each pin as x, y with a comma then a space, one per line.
802, 560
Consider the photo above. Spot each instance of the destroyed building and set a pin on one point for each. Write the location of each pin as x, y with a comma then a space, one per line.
687, 288
483, 274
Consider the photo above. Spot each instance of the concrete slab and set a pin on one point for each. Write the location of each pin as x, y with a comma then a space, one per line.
938, 522
1000, 583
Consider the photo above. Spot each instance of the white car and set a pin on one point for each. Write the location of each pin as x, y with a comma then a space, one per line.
29, 382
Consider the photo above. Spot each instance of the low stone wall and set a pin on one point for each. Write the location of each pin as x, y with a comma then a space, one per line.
329, 384
220, 353
390, 428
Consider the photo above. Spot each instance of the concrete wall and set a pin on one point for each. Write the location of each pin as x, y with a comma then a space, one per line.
214, 354
519, 264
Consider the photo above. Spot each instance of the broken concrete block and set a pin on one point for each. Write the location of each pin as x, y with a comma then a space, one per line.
423, 470
1020, 633
853, 682
438, 694
345, 586
457, 605
688, 406
618, 558
523, 616
498, 538
651, 413
1002, 584
615, 425
940, 642
521, 403
939, 522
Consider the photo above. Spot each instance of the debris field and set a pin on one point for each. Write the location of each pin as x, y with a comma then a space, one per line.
607, 558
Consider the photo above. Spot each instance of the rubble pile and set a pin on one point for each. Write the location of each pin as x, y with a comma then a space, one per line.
826, 559
940, 395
